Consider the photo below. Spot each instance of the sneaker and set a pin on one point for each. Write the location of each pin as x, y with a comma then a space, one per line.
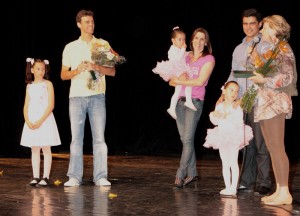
243, 188
72, 182
102, 182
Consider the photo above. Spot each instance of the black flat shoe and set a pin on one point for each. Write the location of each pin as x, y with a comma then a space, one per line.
262, 191
44, 182
178, 183
34, 182
188, 180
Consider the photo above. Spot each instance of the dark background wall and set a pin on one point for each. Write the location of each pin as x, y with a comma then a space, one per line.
137, 99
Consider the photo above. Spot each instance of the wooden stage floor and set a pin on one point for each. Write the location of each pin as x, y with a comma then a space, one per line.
141, 185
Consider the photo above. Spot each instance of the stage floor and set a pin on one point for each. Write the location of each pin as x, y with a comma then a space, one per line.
141, 185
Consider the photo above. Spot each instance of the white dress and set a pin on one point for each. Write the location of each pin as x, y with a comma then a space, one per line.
47, 134
230, 131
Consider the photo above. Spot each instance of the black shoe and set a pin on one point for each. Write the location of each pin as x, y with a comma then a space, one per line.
44, 182
178, 183
243, 188
262, 190
189, 180
34, 182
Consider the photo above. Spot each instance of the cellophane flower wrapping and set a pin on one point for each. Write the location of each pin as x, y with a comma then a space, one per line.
102, 54
263, 64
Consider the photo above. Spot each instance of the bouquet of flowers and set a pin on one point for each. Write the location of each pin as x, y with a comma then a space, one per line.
263, 64
102, 54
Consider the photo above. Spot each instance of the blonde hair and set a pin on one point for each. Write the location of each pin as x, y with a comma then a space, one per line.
279, 24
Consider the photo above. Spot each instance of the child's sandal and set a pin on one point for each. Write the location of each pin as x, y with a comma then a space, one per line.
34, 182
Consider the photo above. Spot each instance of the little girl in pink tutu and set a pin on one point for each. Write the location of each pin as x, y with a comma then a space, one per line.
174, 67
229, 136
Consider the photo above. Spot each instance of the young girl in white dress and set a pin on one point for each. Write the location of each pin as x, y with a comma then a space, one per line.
229, 136
40, 130
174, 67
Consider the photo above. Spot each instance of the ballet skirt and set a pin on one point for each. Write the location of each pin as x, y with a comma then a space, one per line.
229, 132
175, 66
47, 134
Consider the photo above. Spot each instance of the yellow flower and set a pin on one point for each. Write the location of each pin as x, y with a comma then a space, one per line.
57, 182
112, 195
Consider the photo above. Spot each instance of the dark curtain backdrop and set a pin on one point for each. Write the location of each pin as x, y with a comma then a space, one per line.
137, 99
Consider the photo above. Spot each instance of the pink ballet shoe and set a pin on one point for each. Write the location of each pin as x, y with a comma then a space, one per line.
269, 198
228, 192
280, 200
190, 105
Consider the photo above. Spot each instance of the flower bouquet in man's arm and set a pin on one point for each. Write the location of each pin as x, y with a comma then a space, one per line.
264, 64
104, 55
107, 58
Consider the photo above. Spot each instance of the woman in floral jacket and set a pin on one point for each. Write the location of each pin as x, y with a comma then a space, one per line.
274, 103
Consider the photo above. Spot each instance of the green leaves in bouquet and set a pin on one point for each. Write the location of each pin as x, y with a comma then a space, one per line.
248, 99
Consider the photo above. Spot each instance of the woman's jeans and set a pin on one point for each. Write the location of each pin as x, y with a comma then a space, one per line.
187, 121
95, 107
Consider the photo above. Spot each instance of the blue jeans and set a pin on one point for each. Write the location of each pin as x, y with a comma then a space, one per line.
95, 107
187, 121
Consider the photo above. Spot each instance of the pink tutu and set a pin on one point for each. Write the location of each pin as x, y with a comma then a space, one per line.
223, 136
169, 69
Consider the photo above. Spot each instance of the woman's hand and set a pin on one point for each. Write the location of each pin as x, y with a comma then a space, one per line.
257, 78
176, 80
237, 103
173, 81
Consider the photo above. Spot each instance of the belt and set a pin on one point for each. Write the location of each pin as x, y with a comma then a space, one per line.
184, 99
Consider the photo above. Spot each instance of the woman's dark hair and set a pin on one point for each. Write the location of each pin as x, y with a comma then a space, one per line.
207, 48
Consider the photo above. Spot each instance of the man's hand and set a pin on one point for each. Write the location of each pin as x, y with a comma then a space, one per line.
221, 99
82, 66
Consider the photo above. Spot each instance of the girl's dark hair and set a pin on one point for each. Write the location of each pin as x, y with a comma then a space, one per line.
207, 48
175, 31
230, 82
29, 76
